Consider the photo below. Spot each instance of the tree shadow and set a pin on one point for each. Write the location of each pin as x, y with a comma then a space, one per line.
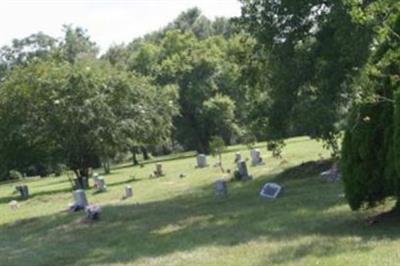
32, 195
130, 232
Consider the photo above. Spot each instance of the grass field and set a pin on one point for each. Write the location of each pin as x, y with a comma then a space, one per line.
179, 221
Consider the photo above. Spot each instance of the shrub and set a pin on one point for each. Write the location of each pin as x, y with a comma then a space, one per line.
59, 169
14, 174
367, 161
276, 146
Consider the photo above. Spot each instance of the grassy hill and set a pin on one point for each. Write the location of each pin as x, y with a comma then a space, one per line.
179, 221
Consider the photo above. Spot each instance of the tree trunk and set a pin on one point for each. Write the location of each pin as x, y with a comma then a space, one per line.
106, 166
82, 178
134, 158
145, 153
220, 163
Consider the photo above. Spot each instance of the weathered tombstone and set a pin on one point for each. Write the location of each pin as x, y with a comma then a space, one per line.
80, 198
221, 188
158, 172
14, 205
23, 191
332, 174
242, 169
270, 191
255, 157
201, 161
238, 157
93, 212
128, 192
100, 184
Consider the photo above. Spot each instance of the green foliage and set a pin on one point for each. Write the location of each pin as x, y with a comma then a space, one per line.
365, 155
14, 174
369, 151
307, 49
276, 147
217, 146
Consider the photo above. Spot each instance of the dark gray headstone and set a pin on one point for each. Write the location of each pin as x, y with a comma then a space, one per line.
221, 188
159, 171
270, 191
242, 169
332, 174
23, 191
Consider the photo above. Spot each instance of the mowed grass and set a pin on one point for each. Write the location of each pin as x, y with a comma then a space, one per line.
179, 221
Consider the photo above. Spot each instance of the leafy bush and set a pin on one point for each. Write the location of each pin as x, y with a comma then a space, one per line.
276, 146
14, 174
367, 161
59, 169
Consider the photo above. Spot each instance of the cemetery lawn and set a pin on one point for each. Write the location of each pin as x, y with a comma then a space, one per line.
178, 221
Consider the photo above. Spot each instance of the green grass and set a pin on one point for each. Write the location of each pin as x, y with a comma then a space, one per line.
173, 221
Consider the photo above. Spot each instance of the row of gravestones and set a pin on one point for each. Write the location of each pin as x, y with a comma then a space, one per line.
255, 154
269, 190
100, 184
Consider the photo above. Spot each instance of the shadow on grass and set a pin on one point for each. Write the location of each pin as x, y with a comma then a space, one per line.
127, 233
32, 195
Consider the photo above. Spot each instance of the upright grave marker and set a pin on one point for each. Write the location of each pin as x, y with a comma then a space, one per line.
23, 191
159, 171
256, 158
221, 188
128, 192
100, 184
242, 171
80, 199
201, 161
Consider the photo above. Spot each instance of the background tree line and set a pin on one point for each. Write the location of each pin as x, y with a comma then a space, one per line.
283, 68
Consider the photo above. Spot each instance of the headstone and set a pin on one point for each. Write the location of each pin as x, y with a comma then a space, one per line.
201, 161
128, 192
14, 205
23, 191
80, 198
256, 157
332, 174
221, 188
100, 184
158, 172
93, 212
238, 157
270, 191
242, 169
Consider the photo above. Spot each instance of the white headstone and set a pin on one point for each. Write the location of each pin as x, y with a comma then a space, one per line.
201, 160
100, 184
128, 192
80, 198
255, 157
270, 191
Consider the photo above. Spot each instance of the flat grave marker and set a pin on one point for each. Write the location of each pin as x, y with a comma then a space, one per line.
270, 191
